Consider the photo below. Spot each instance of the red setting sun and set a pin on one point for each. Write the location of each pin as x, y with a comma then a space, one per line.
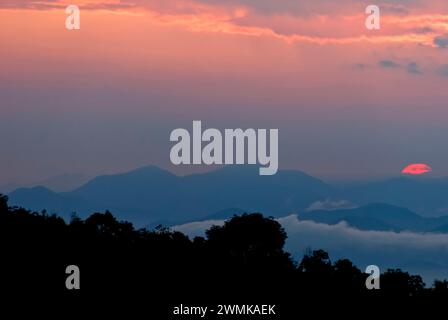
416, 168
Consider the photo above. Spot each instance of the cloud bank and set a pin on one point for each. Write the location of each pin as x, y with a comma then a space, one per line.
424, 254
329, 204
287, 20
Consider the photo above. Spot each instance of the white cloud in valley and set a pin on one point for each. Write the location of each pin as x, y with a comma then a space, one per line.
418, 253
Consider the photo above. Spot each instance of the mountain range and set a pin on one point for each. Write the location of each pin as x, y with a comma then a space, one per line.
379, 217
150, 195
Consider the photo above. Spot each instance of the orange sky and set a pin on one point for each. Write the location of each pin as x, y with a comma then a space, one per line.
307, 67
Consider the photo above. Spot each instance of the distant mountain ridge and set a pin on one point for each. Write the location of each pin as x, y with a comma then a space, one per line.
427, 197
380, 217
58, 183
151, 195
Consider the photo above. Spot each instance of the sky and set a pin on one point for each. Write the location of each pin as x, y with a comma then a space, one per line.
349, 103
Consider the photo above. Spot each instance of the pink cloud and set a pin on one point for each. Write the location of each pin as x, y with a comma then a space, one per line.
315, 22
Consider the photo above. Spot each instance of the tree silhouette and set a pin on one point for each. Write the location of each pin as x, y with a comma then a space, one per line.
3, 204
440, 288
249, 242
399, 283
244, 256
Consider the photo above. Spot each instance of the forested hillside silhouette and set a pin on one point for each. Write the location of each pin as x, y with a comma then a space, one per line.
244, 257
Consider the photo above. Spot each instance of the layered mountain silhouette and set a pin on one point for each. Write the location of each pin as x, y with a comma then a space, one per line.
59, 183
151, 195
379, 216
427, 197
